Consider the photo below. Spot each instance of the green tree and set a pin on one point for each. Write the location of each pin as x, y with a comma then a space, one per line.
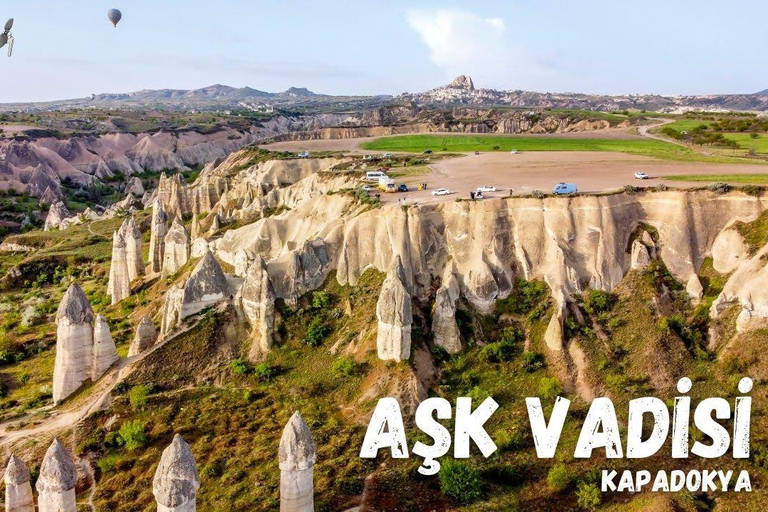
460, 482
132, 434
559, 478
138, 396
588, 496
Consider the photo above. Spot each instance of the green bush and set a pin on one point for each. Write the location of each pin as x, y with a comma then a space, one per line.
549, 388
588, 496
107, 464
532, 361
344, 367
316, 332
719, 188
524, 298
460, 482
320, 300
559, 478
24, 378
598, 301
239, 367
132, 433
138, 396
264, 371
498, 352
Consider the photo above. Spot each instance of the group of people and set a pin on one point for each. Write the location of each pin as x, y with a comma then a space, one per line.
475, 195
422, 186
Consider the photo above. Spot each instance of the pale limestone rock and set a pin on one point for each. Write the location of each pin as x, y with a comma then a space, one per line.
177, 250
49, 197
297, 454
176, 480
119, 285
640, 256
74, 343
553, 336
300, 271
135, 186
157, 237
444, 327
57, 480
172, 306
747, 288
133, 251
144, 338
104, 350
57, 214
393, 311
172, 192
258, 302
694, 288
195, 229
215, 224
199, 248
729, 251
647, 239
242, 262
18, 490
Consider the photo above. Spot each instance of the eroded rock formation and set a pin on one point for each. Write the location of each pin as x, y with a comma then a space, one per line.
18, 490
74, 343
144, 337
257, 298
176, 248
444, 328
57, 216
176, 480
393, 311
133, 251
157, 237
57, 480
119, 285
104, 350
297, 459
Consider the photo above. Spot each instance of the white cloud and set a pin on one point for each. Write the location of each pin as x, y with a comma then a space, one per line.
462, 42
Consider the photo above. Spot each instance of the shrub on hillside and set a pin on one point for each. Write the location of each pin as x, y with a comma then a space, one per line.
320, 300
719, 188
138, 395
588, 496
239, 367
344, 367
559, 478
264, 371
460, 482
549, 388
597, 302
532, 361
132, 434
316, 332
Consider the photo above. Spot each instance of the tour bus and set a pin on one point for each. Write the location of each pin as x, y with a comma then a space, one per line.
375, 175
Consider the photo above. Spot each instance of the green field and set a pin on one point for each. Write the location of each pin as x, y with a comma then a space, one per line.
747, 179
465, 143
760, 144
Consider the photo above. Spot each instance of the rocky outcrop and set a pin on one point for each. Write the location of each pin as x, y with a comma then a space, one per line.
176, 480
145, 337
445, 331
393, 311
553, 336
104, 350
297, 459
157, 237
119, 285
18, 490
640, 256
205, 286
176, 248
300, 271
133, 250
74, 343
257, 298
57, 480
57, 216
747, 288
135, 186
693, 288
172, 193
729, 251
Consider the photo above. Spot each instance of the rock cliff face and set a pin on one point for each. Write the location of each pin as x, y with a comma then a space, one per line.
297, 459
74, 343
119, 285
18, 490
444, 327
157, 237
393, 311
176, 248
176, 480
57, 480
257, 298
144, 337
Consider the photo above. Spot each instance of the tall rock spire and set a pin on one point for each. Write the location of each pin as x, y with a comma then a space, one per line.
119, 286
258, 302
444, 326
177, 247
134, 256
176, 481
393, 310
57, 481
297, 459
144, 338
74, 343
104, 350
157, 236
18, 490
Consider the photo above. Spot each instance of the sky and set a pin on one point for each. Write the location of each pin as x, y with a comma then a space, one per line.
68, 48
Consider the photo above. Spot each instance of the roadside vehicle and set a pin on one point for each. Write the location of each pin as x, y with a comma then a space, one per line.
375, 175
513, 152
367, 188
303, 154
387, 185
641, 176
479, 195
402, 188
565, 188
486, 188
441, 192
427, 152
387, 155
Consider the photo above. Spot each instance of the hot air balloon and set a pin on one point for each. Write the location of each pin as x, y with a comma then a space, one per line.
114, 16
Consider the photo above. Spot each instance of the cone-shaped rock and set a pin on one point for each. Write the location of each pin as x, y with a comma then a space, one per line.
195, 229
58, 477
176, 251
157, 236
119, 286
444, 327
393, 310
176, 481
18, 490
144, 338
104, 350
640, 256
57, 213
297, 459
258, 301
74, 343
133, 253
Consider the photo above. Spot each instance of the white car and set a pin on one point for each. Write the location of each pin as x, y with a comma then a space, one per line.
303, 154
641, 176
441, 192
367, 188
387, 155
486, 188
513, 152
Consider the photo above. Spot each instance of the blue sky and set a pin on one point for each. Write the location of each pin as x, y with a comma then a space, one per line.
67, 48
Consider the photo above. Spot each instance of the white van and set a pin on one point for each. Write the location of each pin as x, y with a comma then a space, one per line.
375, 175
565, 188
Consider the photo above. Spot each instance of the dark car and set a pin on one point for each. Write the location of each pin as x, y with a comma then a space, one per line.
427, 152
403, 188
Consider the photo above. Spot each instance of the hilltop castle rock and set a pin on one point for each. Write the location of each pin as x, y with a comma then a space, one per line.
297, 454
176, 480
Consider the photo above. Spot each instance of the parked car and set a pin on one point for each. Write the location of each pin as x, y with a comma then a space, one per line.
479, 195
513, 152
403, 187
367, 188
303, 154
565, 188
387, 155
427, 152
441, 192
641, 176
486, 188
